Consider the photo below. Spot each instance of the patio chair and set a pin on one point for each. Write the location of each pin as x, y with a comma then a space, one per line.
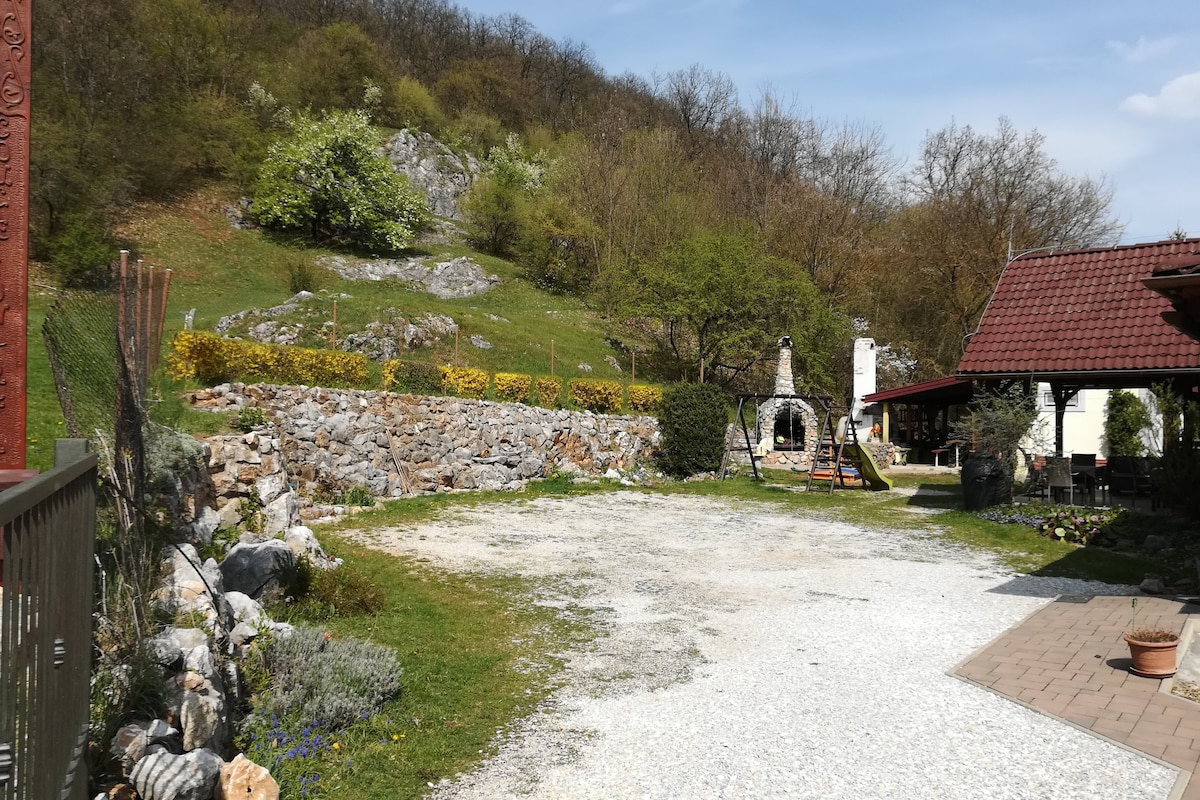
1083, 471
1058, 477
1129, 475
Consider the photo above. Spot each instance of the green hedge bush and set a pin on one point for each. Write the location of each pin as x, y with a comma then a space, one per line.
412, 377
693, 419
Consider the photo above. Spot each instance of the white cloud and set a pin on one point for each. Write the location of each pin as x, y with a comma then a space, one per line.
1143, 49
1179, 98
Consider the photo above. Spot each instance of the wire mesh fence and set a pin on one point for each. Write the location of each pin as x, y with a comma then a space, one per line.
103, 348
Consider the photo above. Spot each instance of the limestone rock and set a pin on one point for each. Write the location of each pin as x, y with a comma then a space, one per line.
197, 704
254, 569
246, 609
242, 633
1155, 543
304, 544
166, 776
281, 514
242, 779
130, 742
1153, 584
440, 172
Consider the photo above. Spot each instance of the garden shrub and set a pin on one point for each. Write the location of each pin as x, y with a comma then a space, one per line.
332, 682
548, 389
693, 420
464, 382
1077, 525
411, 377
1061, 523
249, 418
512, 387
210, 358
644, 399
1125, 417
595, 395
308, 686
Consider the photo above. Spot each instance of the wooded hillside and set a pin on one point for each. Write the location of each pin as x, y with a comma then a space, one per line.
716, 222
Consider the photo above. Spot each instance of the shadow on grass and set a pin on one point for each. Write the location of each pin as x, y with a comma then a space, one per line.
940, 496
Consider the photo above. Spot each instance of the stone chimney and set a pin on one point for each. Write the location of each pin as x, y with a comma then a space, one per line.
784, 384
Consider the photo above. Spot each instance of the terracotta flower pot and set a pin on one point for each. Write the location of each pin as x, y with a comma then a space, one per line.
1152, 659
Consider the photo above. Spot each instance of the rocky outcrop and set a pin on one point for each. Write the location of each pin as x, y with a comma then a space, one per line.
333, 440
290, 306
448, 278
437, 170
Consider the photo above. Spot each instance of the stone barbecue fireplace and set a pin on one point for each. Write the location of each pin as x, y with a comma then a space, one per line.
789, 425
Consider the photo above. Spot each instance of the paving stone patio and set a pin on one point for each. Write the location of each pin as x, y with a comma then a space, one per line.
1068, 660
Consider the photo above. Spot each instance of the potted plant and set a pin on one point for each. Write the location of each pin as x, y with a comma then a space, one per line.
1152, 650
998, 421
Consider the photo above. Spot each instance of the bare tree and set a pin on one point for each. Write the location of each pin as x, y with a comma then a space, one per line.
973, 199
703, 100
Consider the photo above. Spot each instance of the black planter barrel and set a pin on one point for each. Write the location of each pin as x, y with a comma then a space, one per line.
985, 482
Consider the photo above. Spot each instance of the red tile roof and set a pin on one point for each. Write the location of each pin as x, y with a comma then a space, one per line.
1080, 313
948, 391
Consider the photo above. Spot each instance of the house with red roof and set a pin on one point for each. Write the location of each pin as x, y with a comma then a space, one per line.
1074, 321
1084, 319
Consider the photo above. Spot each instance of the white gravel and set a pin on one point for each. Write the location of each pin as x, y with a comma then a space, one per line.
752, 653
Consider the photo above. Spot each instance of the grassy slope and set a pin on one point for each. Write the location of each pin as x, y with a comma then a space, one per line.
219, 270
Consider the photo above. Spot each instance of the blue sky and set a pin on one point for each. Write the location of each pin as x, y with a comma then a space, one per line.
1114, 85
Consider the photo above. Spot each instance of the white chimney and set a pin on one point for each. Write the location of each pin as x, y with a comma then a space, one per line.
863, 385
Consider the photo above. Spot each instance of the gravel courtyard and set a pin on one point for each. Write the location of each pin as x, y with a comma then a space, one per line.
749, 652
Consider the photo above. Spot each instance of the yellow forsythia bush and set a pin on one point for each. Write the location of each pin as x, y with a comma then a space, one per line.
198, 355
465, 382
644, 399
387, 374
595, 395
547, 388
210, 358
511, 387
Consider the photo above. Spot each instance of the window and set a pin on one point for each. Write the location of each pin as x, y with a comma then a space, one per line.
1046, 401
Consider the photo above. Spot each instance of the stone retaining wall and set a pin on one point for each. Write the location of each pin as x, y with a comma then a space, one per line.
395, 444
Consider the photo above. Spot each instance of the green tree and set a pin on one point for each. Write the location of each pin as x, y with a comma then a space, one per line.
497, 204
722, 300
1125, 417
327, 179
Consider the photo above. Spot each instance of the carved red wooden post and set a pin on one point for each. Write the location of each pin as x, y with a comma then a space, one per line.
15, 27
